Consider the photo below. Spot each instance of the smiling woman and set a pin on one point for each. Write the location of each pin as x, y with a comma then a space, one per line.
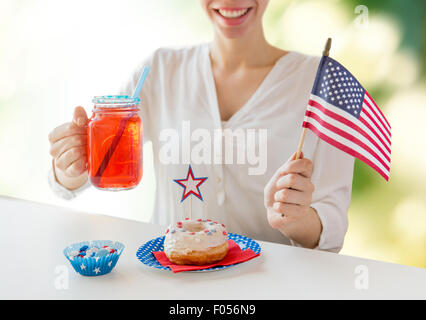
50, 61
237, 82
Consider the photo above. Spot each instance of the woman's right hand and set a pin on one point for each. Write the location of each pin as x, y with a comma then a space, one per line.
68, 147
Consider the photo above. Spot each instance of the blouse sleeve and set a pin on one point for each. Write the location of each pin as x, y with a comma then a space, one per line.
61, 191
332, 177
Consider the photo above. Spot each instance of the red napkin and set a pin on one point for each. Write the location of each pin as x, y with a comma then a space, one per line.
235, 255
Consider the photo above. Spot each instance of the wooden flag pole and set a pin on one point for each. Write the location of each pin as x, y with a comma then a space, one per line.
302, 136
190, 211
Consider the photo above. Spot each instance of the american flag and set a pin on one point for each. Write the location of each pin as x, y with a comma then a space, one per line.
341, 112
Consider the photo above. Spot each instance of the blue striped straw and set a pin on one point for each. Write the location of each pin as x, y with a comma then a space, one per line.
141, 82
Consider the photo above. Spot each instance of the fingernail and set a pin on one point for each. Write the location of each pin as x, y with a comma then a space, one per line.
80, 121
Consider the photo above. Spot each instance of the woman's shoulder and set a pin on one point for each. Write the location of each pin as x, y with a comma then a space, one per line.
305, 61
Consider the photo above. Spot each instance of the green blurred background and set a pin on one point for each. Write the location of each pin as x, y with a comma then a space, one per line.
55, 55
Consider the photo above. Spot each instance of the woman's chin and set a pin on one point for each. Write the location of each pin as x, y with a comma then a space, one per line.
232, 33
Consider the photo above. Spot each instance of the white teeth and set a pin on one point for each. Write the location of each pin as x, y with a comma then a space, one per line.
233, 13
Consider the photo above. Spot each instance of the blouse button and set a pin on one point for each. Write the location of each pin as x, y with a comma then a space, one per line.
218, 180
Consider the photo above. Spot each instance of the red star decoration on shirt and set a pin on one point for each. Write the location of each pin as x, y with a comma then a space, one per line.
191, 185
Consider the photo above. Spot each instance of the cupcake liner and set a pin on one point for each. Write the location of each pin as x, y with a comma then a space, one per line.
94, 266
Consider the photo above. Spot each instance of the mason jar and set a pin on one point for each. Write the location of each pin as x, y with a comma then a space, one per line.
115, 143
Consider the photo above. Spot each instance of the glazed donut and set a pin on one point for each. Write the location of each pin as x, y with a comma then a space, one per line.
196, 242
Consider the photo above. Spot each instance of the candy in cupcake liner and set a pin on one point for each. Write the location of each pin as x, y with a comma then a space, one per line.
93, 265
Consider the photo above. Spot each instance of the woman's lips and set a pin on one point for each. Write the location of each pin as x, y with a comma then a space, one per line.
232, 16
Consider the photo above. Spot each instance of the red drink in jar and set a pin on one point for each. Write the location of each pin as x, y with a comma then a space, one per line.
115, 143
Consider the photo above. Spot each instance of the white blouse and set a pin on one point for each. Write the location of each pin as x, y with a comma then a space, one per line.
179, 106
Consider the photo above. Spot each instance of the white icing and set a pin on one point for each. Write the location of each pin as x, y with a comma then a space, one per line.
194, 235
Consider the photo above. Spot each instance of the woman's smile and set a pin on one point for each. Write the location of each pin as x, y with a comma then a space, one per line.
232, 16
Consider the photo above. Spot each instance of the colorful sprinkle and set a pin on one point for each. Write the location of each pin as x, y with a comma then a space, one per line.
167, 231
102, 253
74, 253
206, 231
224, 233
192, 233
213, 230
84, 248
209, 233
199, 220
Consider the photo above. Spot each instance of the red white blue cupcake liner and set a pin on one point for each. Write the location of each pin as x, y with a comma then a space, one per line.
94, 266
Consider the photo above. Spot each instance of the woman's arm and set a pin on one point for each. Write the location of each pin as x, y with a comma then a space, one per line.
288, 198
313, 217
69, 152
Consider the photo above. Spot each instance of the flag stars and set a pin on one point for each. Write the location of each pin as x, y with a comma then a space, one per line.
340, 88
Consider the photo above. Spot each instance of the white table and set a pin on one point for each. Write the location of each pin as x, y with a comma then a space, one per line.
33, 235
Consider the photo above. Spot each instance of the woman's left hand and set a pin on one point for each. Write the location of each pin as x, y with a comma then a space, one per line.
288, 198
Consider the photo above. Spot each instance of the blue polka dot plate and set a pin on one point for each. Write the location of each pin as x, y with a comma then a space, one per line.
146, 256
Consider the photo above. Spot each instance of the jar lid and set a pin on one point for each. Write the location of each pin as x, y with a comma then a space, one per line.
113, 101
